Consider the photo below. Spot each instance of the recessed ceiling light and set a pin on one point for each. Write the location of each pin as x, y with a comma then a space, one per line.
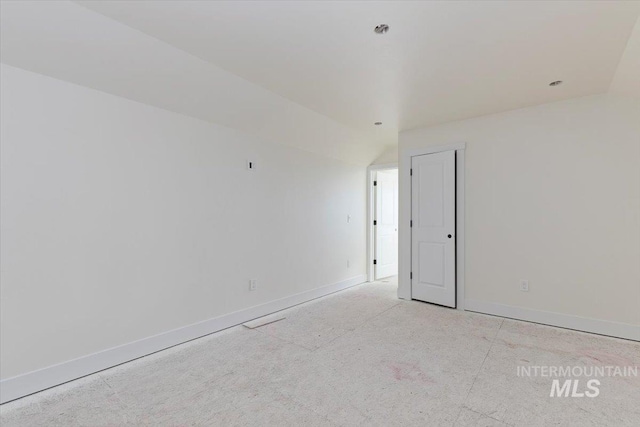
377, 123
381, 29
556, 83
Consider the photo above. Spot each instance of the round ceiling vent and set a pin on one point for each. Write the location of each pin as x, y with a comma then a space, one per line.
381, 29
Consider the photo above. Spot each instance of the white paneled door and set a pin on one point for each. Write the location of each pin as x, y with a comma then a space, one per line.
386, 224
433, 247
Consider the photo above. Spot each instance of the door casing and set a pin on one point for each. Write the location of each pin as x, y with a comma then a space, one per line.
385, 229
371, 171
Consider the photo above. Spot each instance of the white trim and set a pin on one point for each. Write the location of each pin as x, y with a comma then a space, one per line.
404, 232
371, 200
585, 324
433, 149
460, 230
383, 166
404, 249
32, 382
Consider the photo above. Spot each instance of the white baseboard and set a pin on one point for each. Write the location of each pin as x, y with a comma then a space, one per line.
585, 324
32, 382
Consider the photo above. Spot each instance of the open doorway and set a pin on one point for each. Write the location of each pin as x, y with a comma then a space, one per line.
383, 224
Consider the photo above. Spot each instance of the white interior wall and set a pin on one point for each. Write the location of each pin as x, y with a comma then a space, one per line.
388, 156
120, 221
553, 197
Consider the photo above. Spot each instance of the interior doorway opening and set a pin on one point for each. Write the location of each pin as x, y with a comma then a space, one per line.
383, 221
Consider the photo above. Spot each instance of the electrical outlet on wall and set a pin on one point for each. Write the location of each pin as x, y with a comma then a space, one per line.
253, 284
524, 285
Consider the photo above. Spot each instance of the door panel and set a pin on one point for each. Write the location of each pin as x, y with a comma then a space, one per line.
433, 228
431, 258
431, 202
386, 228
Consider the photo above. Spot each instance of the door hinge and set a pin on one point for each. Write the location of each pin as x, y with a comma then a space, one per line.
411, 172
411, 223
375, 262
375, 222
375, 183
411, 275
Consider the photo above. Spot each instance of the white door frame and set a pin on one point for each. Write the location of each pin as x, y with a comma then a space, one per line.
404, 243
371, 170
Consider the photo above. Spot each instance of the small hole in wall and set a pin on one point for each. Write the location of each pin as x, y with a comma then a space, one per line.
251, 165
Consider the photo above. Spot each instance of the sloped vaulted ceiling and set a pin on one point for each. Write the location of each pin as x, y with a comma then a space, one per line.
314, 74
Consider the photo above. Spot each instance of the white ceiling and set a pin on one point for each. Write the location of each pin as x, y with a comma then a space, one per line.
64, 40
627, 78
440, 61
314, 74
